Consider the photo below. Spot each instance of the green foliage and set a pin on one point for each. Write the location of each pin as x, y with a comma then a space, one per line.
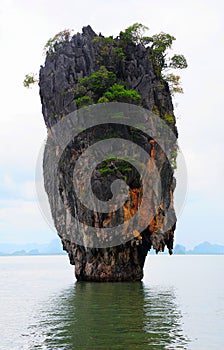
109, 51
105, 44
114, 164
173, 159
134, 34
174, 83
118, 93
101, 87
59, 38
30, 79
83, 101
118, 55
159, 45
169, 118
100, 40
103, 99
59, 116
178, 61
105, 51
98, 82
161, 41
155, 110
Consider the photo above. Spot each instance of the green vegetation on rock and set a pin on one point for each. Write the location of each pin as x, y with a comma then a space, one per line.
83, 101
59, 38
101, 87
97, 83
174, 83
118, 93
169, 118
134, 34
113, 51
114, 164
159, 45
106, 85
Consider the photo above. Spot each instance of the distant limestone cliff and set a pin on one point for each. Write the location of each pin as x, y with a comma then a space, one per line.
88, 69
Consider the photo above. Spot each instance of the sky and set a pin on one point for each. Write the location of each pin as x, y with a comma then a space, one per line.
25, 27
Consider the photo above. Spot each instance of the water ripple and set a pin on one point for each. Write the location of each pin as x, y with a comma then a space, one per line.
94, 316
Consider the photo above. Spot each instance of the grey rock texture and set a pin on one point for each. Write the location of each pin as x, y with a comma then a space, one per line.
77, 58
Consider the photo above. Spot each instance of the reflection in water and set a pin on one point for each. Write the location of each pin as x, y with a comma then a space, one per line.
108, 316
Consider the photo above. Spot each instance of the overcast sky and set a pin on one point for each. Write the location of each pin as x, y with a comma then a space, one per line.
26, 25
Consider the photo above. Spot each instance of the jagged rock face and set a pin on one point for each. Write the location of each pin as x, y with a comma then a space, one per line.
78, 58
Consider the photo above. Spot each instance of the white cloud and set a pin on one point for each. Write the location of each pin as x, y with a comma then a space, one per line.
21, 222
12, 187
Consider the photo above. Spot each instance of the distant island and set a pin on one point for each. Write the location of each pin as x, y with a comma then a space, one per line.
55, 248
204, 248
31, 249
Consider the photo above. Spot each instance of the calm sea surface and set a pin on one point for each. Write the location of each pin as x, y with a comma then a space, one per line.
179, 305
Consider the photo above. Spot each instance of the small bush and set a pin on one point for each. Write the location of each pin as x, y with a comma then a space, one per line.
134, 34
169, 118
83, 101
103, 99
59, 38
118, 55
118, 93
174, 83
98, 82
30, 80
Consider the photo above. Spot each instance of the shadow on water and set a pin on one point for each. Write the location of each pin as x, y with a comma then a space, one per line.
108, 316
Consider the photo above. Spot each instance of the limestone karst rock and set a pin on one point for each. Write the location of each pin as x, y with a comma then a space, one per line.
131, 64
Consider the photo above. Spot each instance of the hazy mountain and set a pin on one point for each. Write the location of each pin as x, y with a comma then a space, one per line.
207, 248
52, 248
55, 248
204, 248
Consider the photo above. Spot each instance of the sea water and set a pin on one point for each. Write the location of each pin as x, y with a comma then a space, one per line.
178, 305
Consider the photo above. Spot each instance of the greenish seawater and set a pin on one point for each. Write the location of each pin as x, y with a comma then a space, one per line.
179, 305
112, 316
